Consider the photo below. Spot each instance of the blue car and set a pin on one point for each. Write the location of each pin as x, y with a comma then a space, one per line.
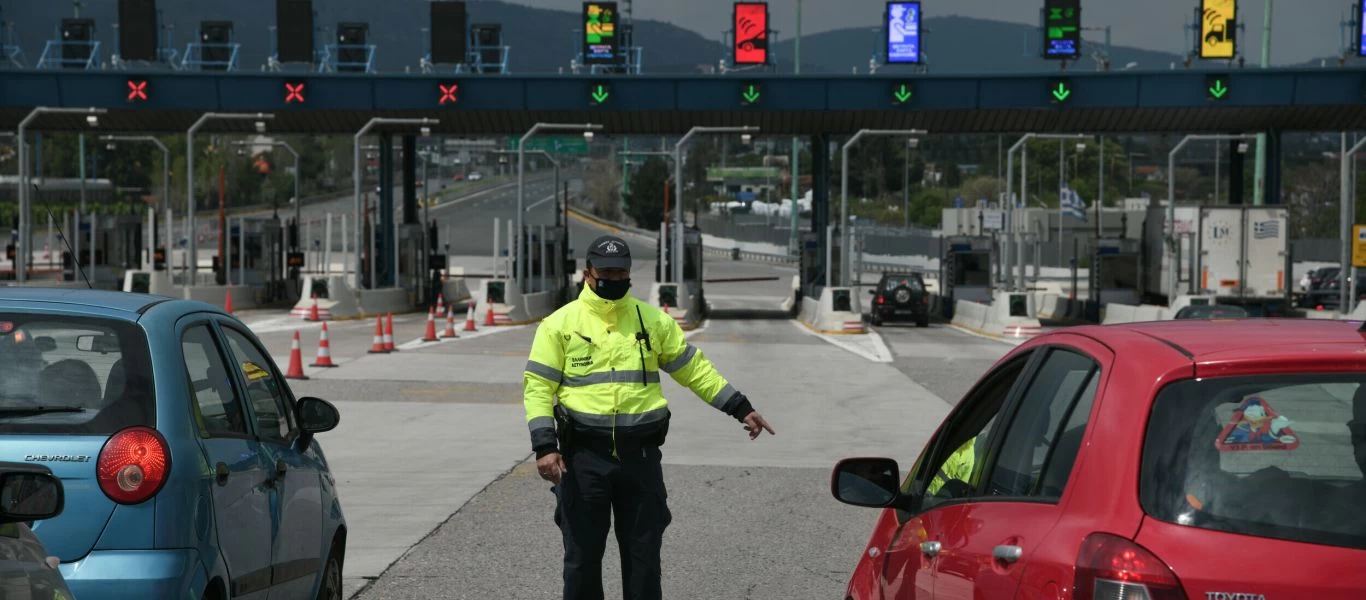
189, 468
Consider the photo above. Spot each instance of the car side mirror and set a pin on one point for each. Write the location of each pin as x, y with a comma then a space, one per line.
868, 482
872, 292
29, 495
316, 415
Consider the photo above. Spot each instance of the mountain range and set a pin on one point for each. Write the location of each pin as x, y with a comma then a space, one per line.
544, 41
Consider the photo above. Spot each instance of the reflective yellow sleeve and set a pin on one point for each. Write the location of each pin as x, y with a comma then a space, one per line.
691, 369
540, 383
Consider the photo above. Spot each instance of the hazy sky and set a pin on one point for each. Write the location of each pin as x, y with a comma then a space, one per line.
1303, 29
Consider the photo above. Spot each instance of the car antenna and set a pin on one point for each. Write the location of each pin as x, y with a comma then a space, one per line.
75, 258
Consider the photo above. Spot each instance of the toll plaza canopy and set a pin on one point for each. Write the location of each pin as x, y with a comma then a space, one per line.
1087, 102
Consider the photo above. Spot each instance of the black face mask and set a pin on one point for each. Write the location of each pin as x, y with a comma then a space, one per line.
612, 289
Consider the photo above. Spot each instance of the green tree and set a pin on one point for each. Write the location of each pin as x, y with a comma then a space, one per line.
646, 205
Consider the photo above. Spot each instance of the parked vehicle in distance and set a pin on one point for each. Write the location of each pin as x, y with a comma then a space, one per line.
28, 493
1155, 461
190, 469
476, 176
900, 297
1211, 311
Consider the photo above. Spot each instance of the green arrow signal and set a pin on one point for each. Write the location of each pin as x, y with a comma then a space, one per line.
751, 95
600, 95
1218, 90
903, 94
1062, 92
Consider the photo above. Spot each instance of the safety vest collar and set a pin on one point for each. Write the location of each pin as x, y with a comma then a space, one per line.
600, 306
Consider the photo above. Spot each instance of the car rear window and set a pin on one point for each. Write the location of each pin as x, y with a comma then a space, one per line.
73, 375
1275, 457
896, 282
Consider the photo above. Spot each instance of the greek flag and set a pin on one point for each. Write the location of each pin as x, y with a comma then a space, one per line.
1263, 230
1072, 204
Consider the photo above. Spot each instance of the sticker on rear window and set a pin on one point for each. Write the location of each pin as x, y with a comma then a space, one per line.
1255, 427
254, 372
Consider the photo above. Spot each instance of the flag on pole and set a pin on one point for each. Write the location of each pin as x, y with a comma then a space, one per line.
1072, 204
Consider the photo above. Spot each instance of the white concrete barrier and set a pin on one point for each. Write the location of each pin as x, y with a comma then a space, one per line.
383, 301
336, 299
820, 315
156, 282
794, 294
515, 309
456, 288
969, 315
681, 303
1113, 314
1000, 322
1147, 312
1052, 306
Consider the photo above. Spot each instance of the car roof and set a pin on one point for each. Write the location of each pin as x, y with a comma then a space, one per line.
1200, 338
123, 302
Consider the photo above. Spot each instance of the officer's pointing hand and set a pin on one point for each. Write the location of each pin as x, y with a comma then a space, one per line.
551, 467
755, 425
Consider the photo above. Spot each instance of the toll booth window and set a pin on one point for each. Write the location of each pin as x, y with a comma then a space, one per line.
971, 269
320, 288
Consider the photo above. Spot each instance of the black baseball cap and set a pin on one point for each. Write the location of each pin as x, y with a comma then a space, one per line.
609, 252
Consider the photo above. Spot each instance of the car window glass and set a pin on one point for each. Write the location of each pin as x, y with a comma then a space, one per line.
959, 462
217, 409
264, 388
1047, 428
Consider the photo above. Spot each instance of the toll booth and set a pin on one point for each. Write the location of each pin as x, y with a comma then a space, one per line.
549, 266
966, 270
1115, 270
255, 256
813, 263
692, 272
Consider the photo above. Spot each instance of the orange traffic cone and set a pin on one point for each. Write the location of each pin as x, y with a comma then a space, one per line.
389, 334
440, 304
450, 323
227, 301
313, 312
377, 346
430, 334
469, 318
324, 350
296, 360
488, 317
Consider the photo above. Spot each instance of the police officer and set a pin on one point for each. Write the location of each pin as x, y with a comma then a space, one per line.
601, 356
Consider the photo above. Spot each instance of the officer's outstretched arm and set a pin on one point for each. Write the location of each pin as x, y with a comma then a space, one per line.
540, 383
691, 369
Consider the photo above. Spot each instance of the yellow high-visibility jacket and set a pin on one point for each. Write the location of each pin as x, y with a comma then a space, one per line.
958, 466
587, 356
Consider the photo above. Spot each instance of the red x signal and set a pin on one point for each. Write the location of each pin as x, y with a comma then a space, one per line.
137, 90
448, 93
294, 92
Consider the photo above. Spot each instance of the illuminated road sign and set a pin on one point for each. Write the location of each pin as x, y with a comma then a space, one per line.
903, 32
600, 41
137, 90
1059, 91
449, 93
1062, 29
1216, 87
1217, 27
599, 93
751, 94
902, 92
294, 92
750, 20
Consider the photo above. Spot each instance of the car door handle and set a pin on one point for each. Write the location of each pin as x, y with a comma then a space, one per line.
1008, 554
931, 549
220, 472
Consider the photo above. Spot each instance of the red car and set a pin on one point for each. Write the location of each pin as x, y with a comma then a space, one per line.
1196, 460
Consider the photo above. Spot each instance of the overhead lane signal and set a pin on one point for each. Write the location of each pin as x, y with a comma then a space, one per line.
599, 93
751, 94
1059, 90
1216, 87
449, 93
294, 92
902, 93
137, 90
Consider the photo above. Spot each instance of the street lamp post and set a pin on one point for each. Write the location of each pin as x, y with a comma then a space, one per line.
519, 271
1172, 276
846, 257
193, 262
356, 171
21, 254
1010, 279
677, 264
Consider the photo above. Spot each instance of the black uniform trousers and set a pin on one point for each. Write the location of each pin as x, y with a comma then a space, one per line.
598, 487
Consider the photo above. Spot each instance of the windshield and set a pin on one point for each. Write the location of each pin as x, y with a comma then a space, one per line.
1277, 457
73, 375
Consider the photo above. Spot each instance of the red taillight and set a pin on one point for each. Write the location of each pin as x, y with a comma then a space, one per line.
1320, 307
881, 300
1114, 568
133, 465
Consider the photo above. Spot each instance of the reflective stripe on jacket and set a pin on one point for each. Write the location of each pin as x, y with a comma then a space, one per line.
586, 354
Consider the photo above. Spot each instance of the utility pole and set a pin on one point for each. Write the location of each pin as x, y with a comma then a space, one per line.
1259, 181
794, 239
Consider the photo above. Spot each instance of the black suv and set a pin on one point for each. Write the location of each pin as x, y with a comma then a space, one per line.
900, 297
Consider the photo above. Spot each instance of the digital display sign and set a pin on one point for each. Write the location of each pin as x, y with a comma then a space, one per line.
294, 92
449, 93
1216, 87
1059, 90
902, 92
600, 41
1062, 29
599, 93
1218, 22
750, 20
1361, 28
137, 90
903, 32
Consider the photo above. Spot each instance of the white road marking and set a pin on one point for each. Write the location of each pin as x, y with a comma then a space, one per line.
868, 345
464, 335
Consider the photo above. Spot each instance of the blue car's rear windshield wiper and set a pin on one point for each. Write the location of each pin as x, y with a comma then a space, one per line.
16, 411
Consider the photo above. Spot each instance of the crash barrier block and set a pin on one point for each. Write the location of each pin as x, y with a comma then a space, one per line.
1051, 305
969, 315
383, 301
336, 299
1010, 317
1148, 312
456, 288
509, 305
1321, 314
243, 296
835, 312
141, 282
794, 295
1113, 313
680, 300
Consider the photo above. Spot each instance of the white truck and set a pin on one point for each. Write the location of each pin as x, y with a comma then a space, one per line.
1235, 254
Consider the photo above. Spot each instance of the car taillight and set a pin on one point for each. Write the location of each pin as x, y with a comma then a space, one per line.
1112, 568
133, 465
881, 300
925, 300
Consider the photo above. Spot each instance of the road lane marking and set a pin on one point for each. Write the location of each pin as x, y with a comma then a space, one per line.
867, 345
